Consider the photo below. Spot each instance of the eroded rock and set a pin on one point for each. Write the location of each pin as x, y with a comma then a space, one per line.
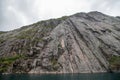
81, 43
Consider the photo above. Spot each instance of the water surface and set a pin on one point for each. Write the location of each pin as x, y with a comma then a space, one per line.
96, 76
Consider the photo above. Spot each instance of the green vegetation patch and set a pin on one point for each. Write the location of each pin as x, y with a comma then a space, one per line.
26, 34
6, 62
55, 64
115, 62
2, 40
54, 61
63, 18
1, 32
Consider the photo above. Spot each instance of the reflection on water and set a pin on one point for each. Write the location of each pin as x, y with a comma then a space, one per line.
96, 76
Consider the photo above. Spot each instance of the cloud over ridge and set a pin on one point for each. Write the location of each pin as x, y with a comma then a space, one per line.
16, 13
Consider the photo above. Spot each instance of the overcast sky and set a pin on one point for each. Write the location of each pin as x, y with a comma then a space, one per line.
16, 13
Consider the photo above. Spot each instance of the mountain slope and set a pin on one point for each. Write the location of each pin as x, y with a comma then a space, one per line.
81, 43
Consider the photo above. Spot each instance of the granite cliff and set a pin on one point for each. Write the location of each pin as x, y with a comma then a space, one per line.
80, 43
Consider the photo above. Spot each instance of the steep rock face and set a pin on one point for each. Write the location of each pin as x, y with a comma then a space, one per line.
81, 43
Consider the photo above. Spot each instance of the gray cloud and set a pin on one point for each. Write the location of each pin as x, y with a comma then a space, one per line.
17, 13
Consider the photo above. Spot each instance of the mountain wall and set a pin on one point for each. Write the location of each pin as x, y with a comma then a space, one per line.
80, 43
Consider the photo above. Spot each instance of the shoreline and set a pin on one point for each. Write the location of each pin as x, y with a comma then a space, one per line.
57, 73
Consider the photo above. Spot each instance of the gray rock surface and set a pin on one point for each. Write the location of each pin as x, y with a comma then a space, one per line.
81, 43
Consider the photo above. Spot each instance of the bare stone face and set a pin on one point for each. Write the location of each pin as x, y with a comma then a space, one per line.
81, 43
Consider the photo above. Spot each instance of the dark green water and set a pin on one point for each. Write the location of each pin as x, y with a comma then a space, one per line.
98, 76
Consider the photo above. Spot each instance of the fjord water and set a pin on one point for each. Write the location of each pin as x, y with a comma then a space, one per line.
97, 76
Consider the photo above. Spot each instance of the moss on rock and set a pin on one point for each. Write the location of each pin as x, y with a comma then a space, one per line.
6, 62
115, 62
